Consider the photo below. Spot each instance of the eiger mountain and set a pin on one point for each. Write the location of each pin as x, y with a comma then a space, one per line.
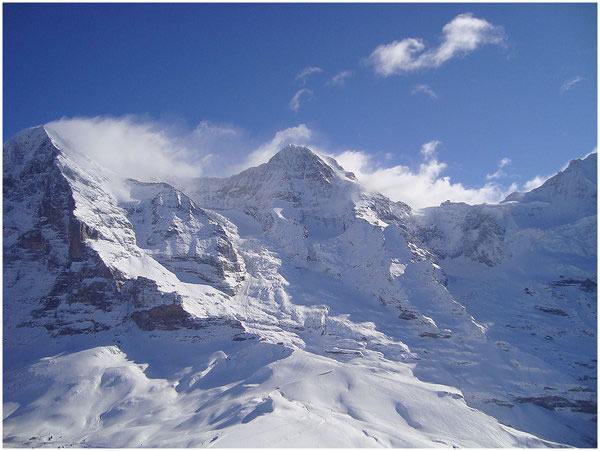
287, 306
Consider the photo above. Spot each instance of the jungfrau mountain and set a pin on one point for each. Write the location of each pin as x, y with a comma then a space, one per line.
289, 306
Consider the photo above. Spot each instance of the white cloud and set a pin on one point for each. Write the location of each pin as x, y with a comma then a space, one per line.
534, 183
294, 103
300, 135
420, 188
340, 79
568, 85
504, 162
463, 35
425, 89
307, 72
428, 149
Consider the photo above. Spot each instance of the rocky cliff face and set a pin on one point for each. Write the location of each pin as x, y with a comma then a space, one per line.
51, 278
71, 254
234, 288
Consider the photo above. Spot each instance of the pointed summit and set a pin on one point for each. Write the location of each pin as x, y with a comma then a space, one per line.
301, 162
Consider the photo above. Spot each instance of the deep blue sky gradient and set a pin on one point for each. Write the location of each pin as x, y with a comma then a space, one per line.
236, 64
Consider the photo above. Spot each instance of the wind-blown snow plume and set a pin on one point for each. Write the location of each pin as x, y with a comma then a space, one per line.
143, 150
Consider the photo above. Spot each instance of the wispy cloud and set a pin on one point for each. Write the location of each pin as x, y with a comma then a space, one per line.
499, 173
568, 85
340, 79
424, 187
294, 103
307, 72
424, 89
463, 35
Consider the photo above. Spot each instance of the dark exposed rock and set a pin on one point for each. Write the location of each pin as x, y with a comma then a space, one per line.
435, 335
173, 316
33, 241
143, 293
499, 402
555, 402
591, 366
164, 317
551, 310
582, 389
587, 285
408, 315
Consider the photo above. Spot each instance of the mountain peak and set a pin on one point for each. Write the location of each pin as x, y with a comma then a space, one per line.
578, 181
301, 162
294, 155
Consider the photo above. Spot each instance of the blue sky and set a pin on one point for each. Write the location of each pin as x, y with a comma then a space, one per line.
497, 93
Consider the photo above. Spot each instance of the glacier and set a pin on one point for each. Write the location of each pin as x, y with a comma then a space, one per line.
287, 306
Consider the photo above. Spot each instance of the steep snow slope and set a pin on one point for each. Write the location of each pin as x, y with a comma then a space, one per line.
295, 315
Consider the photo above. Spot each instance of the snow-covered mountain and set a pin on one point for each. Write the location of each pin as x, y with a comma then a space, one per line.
288, 306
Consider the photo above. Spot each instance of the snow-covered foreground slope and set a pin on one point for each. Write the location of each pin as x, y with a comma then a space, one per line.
284, 306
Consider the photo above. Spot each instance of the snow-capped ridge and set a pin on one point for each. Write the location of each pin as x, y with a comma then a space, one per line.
230, 299
577, 182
